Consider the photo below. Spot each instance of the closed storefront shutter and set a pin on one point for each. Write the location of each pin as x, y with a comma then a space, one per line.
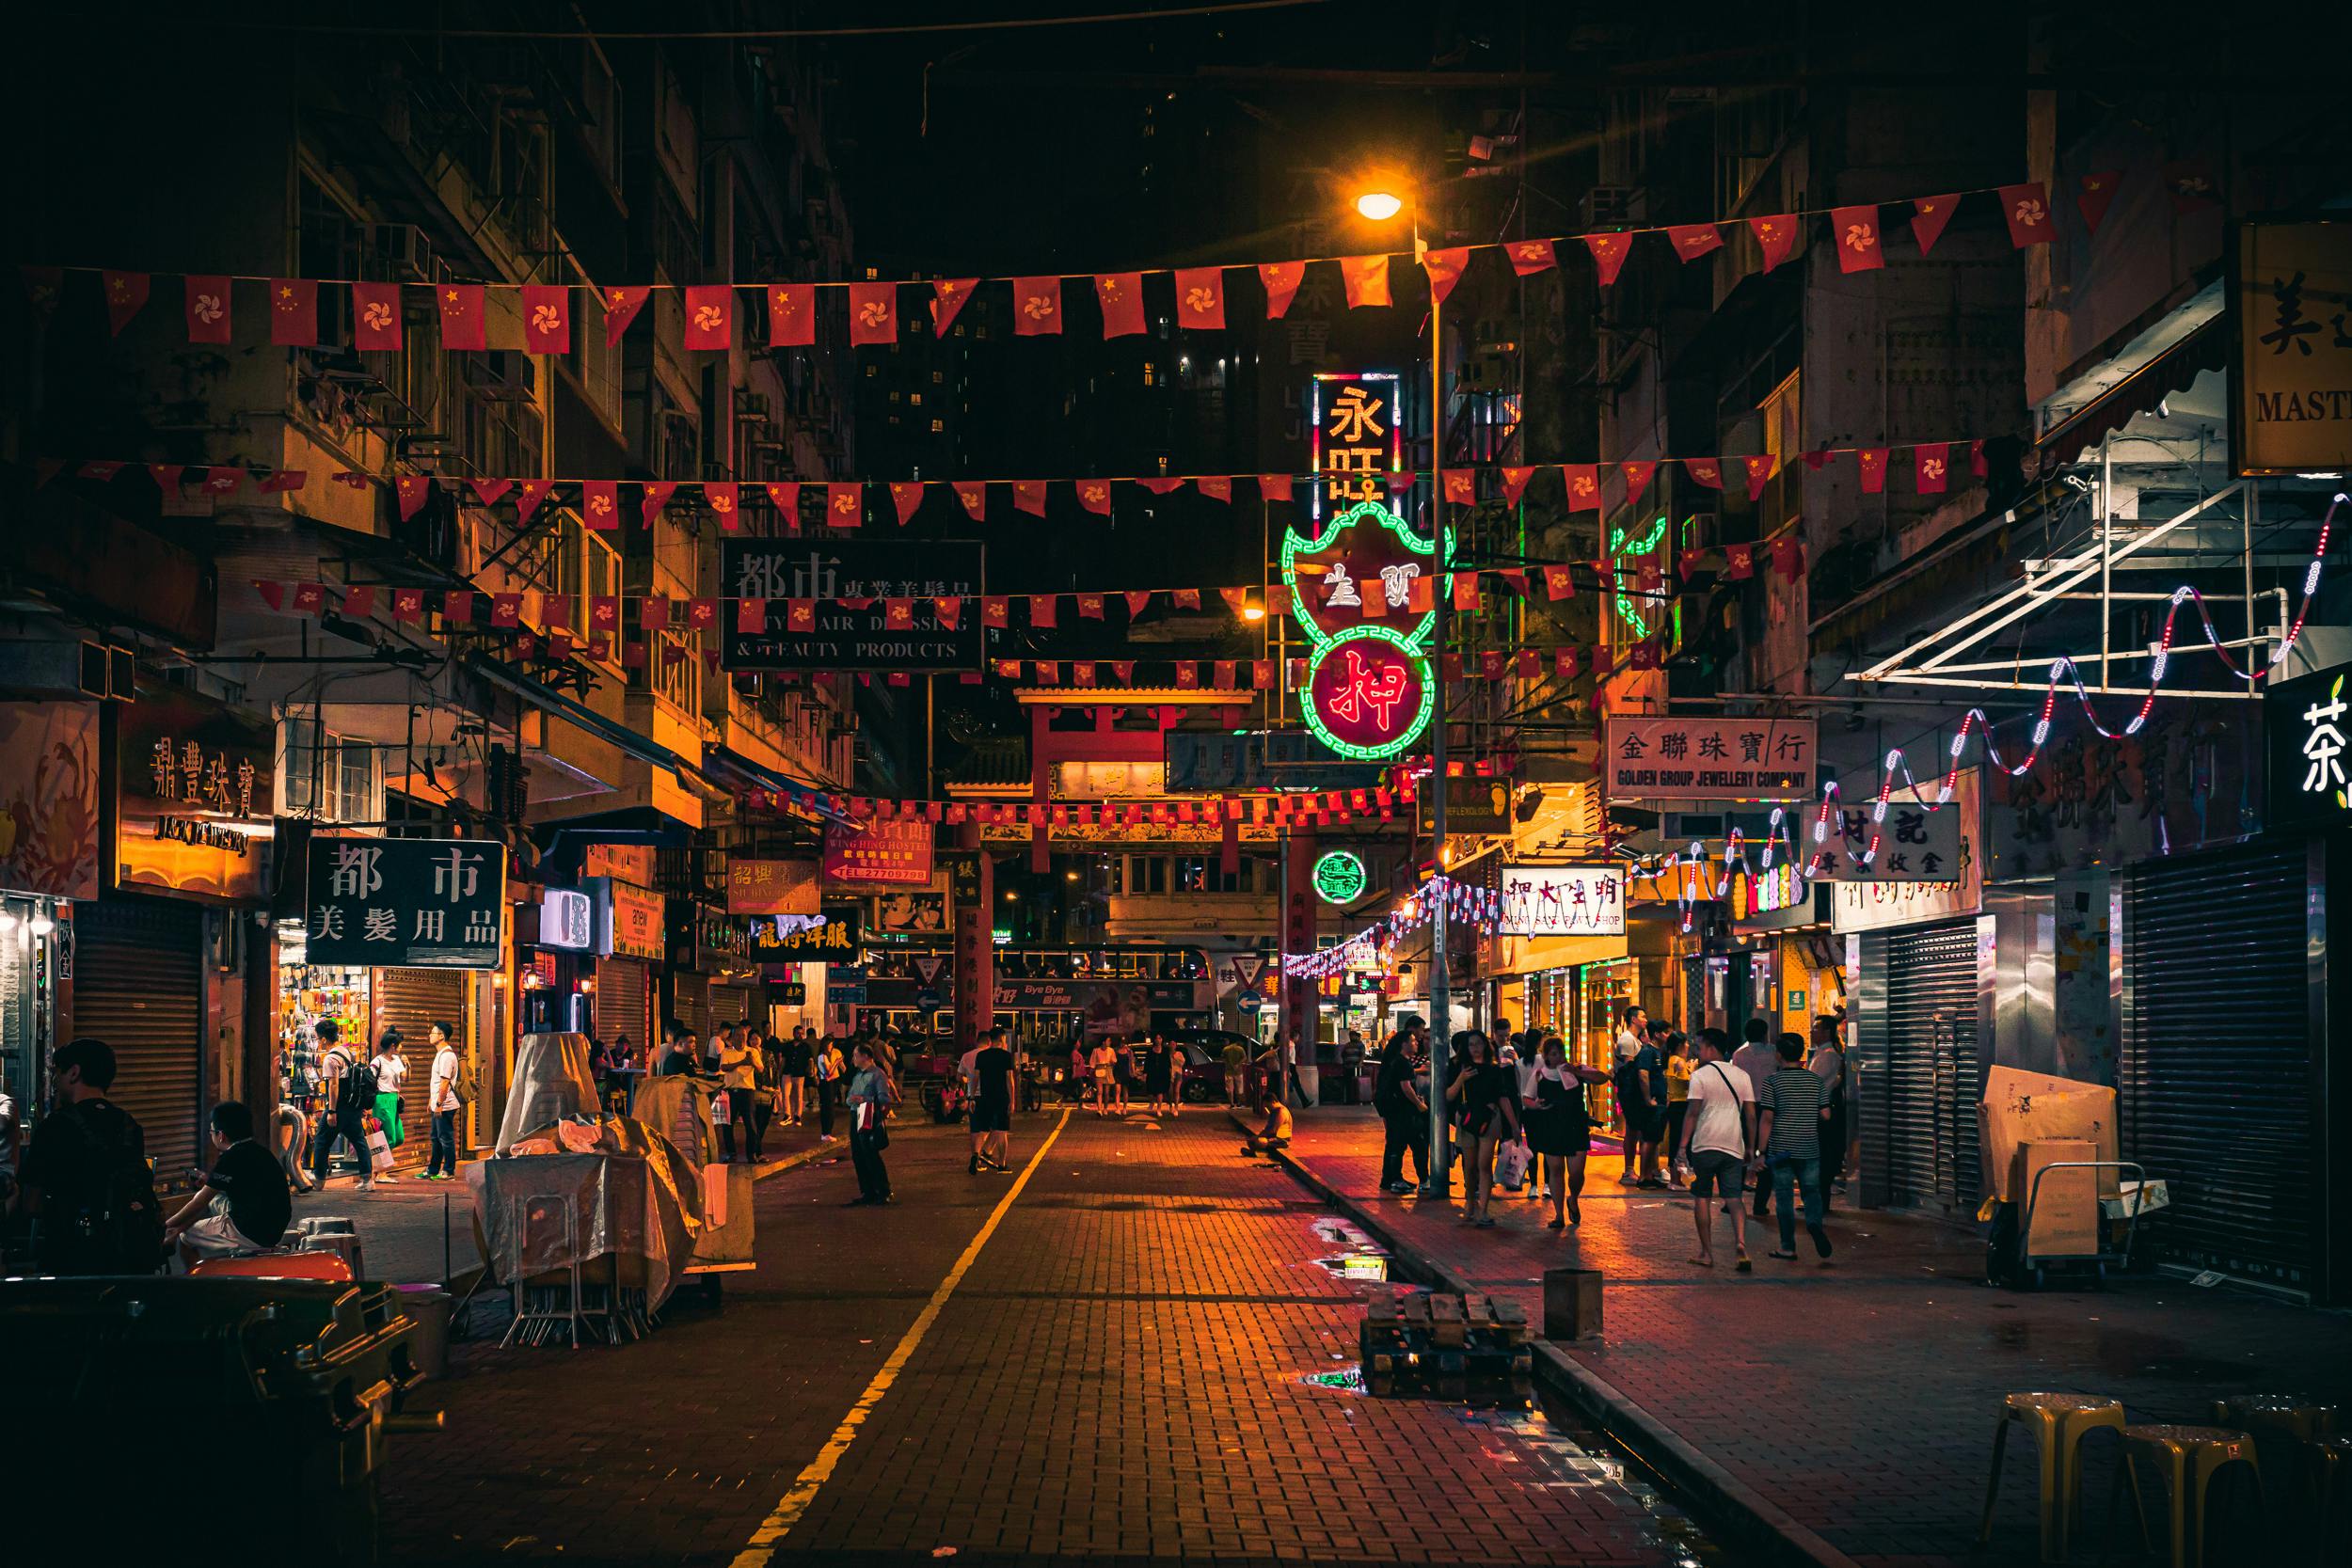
1918, 1067
412, 1001
690, 997
138, 985
729, 1004
2217, 1076
621, 1001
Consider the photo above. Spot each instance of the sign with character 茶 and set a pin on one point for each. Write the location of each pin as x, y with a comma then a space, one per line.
2305, 724
406, 903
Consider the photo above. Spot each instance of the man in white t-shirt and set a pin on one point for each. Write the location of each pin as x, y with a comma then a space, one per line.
443, 1102
1718, 1132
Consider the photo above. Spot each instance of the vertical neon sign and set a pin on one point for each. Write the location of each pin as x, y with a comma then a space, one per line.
1354, 414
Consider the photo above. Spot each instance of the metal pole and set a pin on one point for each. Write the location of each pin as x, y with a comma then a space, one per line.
1435, 1172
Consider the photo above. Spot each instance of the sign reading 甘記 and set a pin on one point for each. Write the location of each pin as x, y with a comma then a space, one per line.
406, 903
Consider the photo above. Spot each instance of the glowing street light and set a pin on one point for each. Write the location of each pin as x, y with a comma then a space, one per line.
1379, 205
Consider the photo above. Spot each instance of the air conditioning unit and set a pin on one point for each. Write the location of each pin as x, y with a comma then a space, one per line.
405, 253
1611, 206
67, 670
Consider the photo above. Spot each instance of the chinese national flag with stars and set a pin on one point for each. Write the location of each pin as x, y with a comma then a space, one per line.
294, 312
463, 321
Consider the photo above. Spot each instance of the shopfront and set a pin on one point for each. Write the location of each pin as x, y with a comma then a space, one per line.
49, 795
1782, 922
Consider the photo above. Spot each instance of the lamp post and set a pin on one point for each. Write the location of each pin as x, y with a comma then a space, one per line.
1380, 203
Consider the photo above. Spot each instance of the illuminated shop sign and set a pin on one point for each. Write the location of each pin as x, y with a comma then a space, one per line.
1563, 901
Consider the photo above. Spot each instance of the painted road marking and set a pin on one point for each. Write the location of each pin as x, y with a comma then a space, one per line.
793, 1504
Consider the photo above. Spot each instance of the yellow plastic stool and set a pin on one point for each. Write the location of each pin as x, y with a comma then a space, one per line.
2187, 1457
2330, 1477
2283, 1414
2059, 1423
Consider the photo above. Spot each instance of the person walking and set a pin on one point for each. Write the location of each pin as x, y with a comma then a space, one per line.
1679, 1067
870, 1100
1790, 1111
346, 1095
1396, 1094
1829, 1060
826, 1072
391, 1073
991, 1103
85, 1180
738, 1076
1237, 1056
1159, 1075
442, 1102
1759, 1061
1484, 1100
1633, 1035
1714, 1143
1352, 1069
1290, 1083
1102, 1068
799, 1062
1639, 1080
1558, 1115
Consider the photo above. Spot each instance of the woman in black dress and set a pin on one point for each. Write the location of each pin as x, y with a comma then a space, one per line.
1560, 1126
1484, 1100
1159, 1076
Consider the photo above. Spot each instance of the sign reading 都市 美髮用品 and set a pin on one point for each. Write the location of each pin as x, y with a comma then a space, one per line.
1708, 759
406, 903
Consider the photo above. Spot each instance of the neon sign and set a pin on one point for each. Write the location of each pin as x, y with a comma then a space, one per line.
1355, 417
1339, 877
1369, 693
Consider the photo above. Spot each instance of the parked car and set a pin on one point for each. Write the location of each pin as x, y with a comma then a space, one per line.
1205, 1061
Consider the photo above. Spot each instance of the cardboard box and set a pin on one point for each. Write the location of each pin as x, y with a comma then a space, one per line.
2022, 1107
2066, 1211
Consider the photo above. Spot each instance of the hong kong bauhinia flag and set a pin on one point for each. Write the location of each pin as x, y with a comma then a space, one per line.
1200, 297
547, 318
709, 316
873, 313
1857, 230
375, 316
1366, 279
1035, 307
207, 309
2027, 211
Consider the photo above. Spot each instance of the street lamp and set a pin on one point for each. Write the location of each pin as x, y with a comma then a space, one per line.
1381, 202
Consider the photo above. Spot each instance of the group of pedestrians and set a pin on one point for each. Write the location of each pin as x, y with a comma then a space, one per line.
359, 1098
1146, 1063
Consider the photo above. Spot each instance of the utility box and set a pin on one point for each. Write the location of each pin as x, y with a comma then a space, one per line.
1572, 1304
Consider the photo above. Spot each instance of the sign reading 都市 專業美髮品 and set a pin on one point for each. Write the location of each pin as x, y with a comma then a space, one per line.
1708, 759
832, 604
406, 903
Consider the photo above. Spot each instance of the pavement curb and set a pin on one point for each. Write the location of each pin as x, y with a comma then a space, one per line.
1736, 1508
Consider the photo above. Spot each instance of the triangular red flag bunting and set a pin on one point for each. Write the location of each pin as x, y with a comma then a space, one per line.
409, 605
1262, 673
1514, 484
1126, 669
410, 491
600, 504
1224, 676
947, 297
2027, 211
207, 309
1645, 655
845, 505
1872, 462
1704, 470
1817, 460
1139, 601
995, 609
1466, 591
791, 315
873, 313
800, 614
294, 312
1609, 254
465, 326
1217, 487
506, 610
2093, 195
653, 614
556, 609
1636, 476
1931, 464
1035, 307
1775, 236
1928, 214
1120, 294
283, 481
126, 292
1282, 280
1187, 674
1082, 672
547, 318
1559, 583
1738, 561
907, 494
1530, 256
1694, 239
1453, 666
1274, 488
1421, 595
1976, 465
1857, 230
621, 304
1445, 269
657, 496
1650, 578
1094, 495
751, 615
1187, 598
1531, 662
1461, 486
950, 607
1236, 599
375, 316
489, 491
273, 594
1687, 563
2189, 183
1789, 558
1366, 279
1029, 494
1161, 485
785, 496
1201, 297
709, 316
1042, 609
725, 500
1516, 577
1584, 482
1759, 474
100, 470
974, 495
308, 598
527, 500
897, 614
1089, 607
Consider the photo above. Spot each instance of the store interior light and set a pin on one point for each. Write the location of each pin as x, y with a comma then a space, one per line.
42, 924
7, 920
1379, 205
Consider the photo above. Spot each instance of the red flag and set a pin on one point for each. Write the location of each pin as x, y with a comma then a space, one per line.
489, 491
223, 480
1445, 269
1466, 591
1687, 563
600, 504
1928, 214
1514, 484
2093, 195
701, 615
1856, 230
294, 312
1126, 670
1366, 279
1636, 476
308, 598
1082, 673
800, 614
653, 614
1217, 487
283, 481
947, 297
1976, 464
994, 609
1759, 473
1643, 656
844, 505
100, 470
1564, 663
1282, 280
1530, 256
1559, 582
1091, 607
1738, 561
1274, 488
1530, 663
1120, 294
791, 315
375, 316
1035, 307
409, 605
709, 316
1029, 494
1775, 236
1583, 481
907, 496
723, 501
207, 309
1490, 664
126, 291
527, 500
1516, 577
873, 313
950, 607
556, 609
621, 304
657, 496
1200, 297
1139, 601
1224, 676
547, 318
1609, 254
1187, 674
1042, 609
2027, 211
506, 610
898, 614
1236, 599
1930, 466
410, 491
785, 496
2189, 183
464, 324
1704, 470
1461, 487
1262, 673
1872, 461
43, 286
1694, 239
360, 600
1095, 494
1788, 556
974, 495
1187, 598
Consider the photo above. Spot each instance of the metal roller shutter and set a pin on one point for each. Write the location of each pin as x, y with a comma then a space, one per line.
690, 999
621, 992
138, 985
1919, 1068
2218, 1074
412, 1001
729, 1004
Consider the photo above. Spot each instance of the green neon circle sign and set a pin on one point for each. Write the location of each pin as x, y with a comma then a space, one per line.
1339, 877
1366, 677
1370, 514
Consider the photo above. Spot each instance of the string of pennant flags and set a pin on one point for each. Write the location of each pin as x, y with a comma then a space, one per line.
1320, 808
872, 311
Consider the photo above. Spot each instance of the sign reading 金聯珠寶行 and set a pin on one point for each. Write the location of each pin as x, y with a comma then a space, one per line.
854, 604
406, 903
2306, 722
1563, 901
1708, 759
894, 852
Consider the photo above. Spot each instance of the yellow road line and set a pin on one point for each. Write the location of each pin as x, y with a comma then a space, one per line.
793, 1504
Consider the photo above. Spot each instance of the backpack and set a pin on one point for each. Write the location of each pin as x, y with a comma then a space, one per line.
357, 1091
118, 1226
465, 1084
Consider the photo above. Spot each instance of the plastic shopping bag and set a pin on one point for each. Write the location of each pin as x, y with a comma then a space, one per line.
379, 1146
1511, 1165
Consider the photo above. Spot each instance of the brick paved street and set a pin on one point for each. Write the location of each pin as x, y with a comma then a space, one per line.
1860, 1399
1116, 1377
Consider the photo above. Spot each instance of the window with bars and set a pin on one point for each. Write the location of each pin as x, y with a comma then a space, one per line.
327, 777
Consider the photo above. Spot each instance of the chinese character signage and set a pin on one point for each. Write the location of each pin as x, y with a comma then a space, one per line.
194, 780
638, 926
772, 887
1563, 901
406, 903
1369, 693
890, 852
846, 584
1358, 443
829, 937
1868, 906
1339, 877
918, 912
1708, 759
2291, 398
2306, 722
1917, 840
568, 919
49, 799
